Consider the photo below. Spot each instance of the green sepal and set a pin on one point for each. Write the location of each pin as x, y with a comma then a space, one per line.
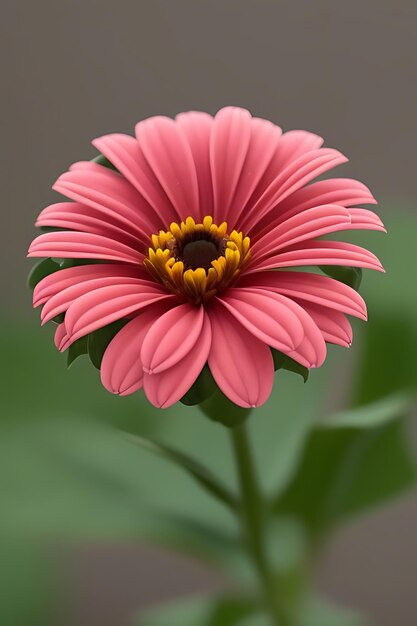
98, 341
65, 263
282, 361
201, 390
351, 276
40, 271
102, 160
58, 319
52, 229
220, 409
76, 349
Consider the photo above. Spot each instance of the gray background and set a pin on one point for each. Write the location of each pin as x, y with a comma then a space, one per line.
73, 70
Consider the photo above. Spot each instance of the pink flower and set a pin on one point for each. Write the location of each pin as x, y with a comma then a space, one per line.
190, 231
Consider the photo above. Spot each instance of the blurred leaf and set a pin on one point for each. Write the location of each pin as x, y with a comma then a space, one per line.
351, 276
344, 471
202, 389
200, 473
99, 340
41, 270
100, 159
318, 612
282, 361
201, 611
387, 356
279, 429
216, 546
373, 414
78, 479
180, 613
390, 295
76, 349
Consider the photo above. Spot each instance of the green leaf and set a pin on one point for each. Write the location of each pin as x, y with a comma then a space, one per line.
180, 613
202, 389
351, 276
373, 414
41, 270
201, 611
220, 409
99, 340
102, 160
76, 349
216, 546
315, 611
231, 611
77, 479
344, 470
282, 361
387, 356
201, 474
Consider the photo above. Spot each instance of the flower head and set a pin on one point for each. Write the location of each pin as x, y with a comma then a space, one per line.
182, 239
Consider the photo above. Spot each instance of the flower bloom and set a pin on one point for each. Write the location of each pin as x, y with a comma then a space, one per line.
189, 230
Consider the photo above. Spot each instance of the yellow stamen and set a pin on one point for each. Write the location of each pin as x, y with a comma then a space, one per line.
194, 275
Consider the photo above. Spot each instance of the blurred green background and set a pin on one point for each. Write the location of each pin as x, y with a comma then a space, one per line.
91, 527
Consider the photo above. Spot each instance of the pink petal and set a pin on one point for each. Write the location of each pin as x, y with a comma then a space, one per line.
298, 172
308, 287
60, 280
167, 387
121, 369
341, 191
75, 216
172, 337
290, 146
271, 317
266, 316
311, 223
263, 144
366, 220
127, 156
197, 127
109, 193
169, 155
61, 301
241, 364
295, 143
319, 253
311, 352
76, 245
87, 165
334, 326
229, 145
106, 305
59, 334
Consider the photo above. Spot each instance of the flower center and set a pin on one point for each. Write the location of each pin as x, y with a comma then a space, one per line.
196, 261
200, 253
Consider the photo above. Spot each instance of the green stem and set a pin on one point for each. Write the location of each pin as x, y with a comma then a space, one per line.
254, 520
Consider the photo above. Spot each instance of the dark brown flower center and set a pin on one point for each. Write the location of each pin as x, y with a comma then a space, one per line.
200, 253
